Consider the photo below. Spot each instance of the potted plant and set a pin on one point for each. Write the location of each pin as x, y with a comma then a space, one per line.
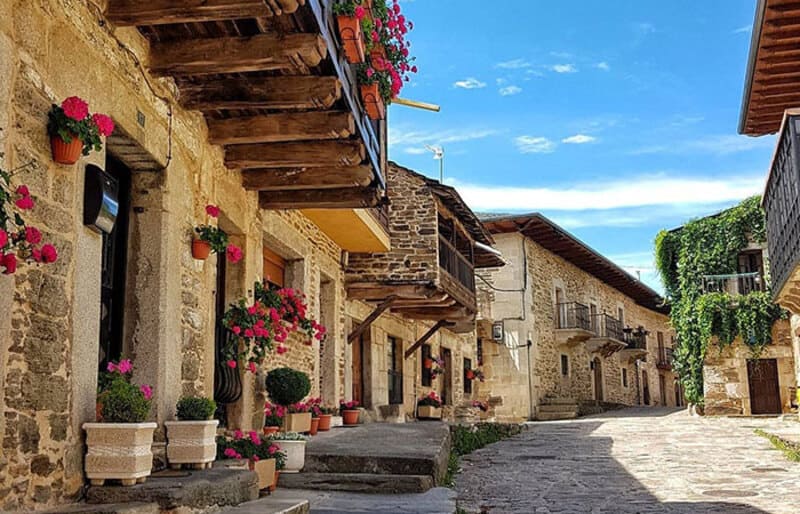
326, 416
191, 439
119, 448
437, 367
474, 374
213, 239
315, 407
263, 456
293, 445
376, 90
349, 412
273, 418
74, 131
349, 17
287, 387
429, 406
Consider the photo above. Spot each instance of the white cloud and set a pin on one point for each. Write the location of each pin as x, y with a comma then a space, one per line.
579, 139
514, 64
725, 144
470, 83
400, 137
603, 65
534, 144
564, 68
744, 29
500, 81
415, 150
510, 90
561, 55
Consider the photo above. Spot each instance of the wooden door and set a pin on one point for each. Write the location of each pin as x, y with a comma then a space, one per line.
662, 387
358, 369
645, 388
598, 379
765, 397
447, 378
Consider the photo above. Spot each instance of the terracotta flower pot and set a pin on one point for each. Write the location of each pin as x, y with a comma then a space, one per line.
191, 442
350, 417
265, 469
314, 426
377, 55
270, 430
297, 422
352, 38
66, 153
428, 363
324, 422
373, 102
275, 481
200, 249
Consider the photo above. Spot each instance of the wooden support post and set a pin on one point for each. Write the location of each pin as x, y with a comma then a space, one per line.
364, 325
424, 339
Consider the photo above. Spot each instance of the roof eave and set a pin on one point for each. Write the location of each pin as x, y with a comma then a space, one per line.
755, 39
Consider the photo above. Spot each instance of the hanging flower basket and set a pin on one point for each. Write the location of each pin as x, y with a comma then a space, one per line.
200, 249
74, 131
66, 153
373, 102
428, 363
352, 38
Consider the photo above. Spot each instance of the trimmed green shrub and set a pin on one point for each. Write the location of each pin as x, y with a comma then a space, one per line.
192, 408
286, 386
124, 402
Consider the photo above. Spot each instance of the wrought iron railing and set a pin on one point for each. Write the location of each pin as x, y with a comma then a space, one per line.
608, 327
395, 388
454, 263
664, 358
573, 315
782, 205
636, 341
736, 284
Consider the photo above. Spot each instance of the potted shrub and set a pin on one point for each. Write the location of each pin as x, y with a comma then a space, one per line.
191, 439
119, 448
74, 131
349, 412
213, 239
293, 445
273, 418
326, 416
263, 456
287, 387
350, 14
429, 406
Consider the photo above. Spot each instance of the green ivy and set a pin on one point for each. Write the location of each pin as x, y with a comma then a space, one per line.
711, 246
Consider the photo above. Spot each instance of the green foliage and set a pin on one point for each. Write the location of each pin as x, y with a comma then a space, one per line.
286, 436
790, 450
252, 446
711, 246
465, 439
191, 408
59, 124
124, 402
217, 238
286, 386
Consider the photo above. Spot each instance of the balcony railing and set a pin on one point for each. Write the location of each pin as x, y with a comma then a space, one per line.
664, 358
636, 341
735, 284
782, 205
608, 327
451, 260
574, 315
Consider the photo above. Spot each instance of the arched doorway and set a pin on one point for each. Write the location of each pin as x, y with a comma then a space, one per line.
597, 364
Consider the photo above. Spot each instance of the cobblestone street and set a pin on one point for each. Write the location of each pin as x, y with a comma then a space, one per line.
631, 461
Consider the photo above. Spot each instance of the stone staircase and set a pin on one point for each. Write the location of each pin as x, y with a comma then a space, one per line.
557, 408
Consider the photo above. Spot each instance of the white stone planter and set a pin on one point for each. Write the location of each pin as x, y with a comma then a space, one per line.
336, 421
295, 455
191, 442
118, 451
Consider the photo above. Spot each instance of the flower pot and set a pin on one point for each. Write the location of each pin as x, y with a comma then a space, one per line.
295, 455
270, 430
200, 249
350, 417
352, 38
377, 57
265, 469
66, 153
274, 484
324, 422
314, 426
470, 375
373, 102
118, 451
428, 363
191, 442
297, 422
429, 412
98, 411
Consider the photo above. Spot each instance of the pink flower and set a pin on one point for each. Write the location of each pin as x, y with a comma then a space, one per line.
104, 124
9, 262
25, 203
252, 310
236, 330
248, 332
32, 236
147, 391
212, 210
272, 449
254, 438
238, 434
252, 367
281, 349
360, 12
230, 453
234, 253
370, 72
23, 191
255, 457
231, 363
49, 253
75, 108
111, 367
125, 366
3, 238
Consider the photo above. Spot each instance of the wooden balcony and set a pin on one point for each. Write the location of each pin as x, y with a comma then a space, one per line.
276, 92
573, 323
609, 337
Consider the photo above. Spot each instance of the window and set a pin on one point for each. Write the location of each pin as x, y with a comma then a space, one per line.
395, 357
621, 315
564, 365
274, 269
467, 383
624, 377
427, 378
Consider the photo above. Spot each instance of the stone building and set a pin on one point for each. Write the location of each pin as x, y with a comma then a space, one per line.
264, 126
563, 329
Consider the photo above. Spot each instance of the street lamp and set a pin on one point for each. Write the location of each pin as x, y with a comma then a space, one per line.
438, 155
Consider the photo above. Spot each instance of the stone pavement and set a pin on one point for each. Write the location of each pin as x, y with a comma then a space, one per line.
634, 460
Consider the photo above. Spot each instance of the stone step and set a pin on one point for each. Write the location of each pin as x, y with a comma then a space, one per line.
371, 464
555, 416
114, 508
272, 505
558, 408
357, 482
558, 400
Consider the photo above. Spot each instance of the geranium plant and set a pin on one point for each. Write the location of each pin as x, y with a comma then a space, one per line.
483, 406
216, 239
474, 374
18, 240
251, 446
430, 400
122, 401
347, 405
273, 414
437, 367
72, 121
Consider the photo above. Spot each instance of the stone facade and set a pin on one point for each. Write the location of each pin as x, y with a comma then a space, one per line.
520, 377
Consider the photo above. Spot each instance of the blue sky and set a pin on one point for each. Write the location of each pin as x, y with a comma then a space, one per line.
615, 119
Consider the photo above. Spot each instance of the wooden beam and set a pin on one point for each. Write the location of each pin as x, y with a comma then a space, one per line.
447, 313
292, 92
372, 291
295, 155
424, 339
306, 178
364, 325
237, 54
344, 198
161, 12
281, 127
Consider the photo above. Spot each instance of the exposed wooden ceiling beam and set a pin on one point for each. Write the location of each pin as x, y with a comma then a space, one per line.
281, 127
237, 54
292, 92
344, 198
306, 178
447, 313
374, 291
364, 325
161, 12
295, 155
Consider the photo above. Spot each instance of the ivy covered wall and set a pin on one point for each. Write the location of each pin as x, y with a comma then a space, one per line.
711, 246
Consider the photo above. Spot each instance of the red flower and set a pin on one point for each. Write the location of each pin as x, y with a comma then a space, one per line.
252, 367
25, 203
360, 13
9, 262
234, 254
75, 108
236, 330
49, 253
3, 238
212, 210
23, 191
231, 363
281, 349
104, 124
32, 236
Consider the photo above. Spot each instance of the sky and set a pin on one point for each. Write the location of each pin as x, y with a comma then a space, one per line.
615, 119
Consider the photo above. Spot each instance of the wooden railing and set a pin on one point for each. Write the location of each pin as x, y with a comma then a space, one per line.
454, 263
381, 214
574, 315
